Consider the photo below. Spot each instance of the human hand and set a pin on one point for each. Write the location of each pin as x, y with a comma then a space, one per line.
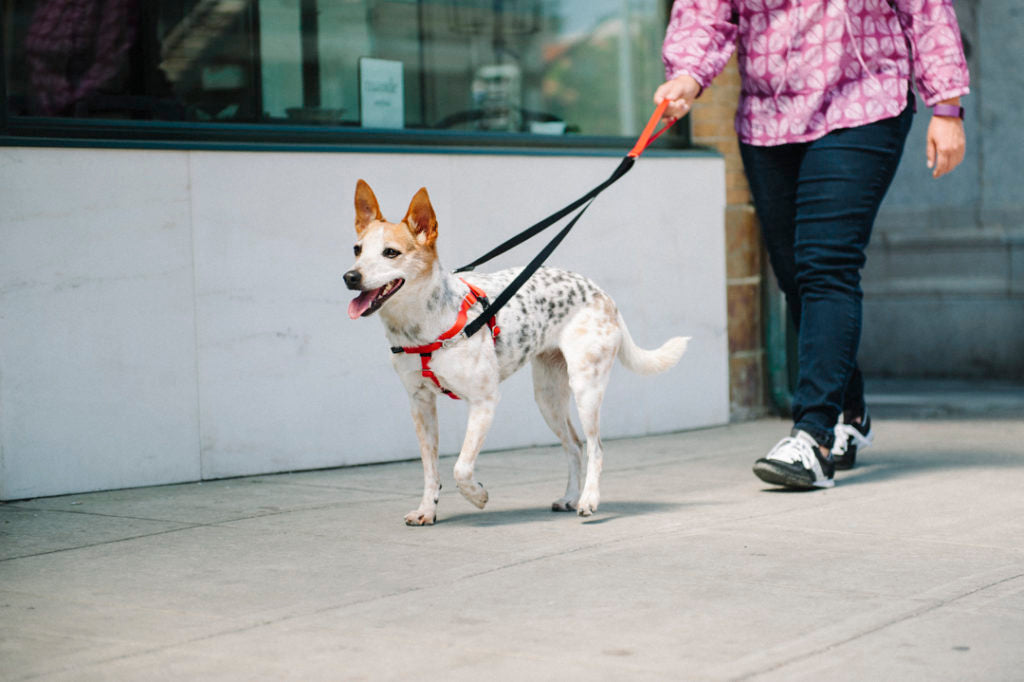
946, 144
680, 92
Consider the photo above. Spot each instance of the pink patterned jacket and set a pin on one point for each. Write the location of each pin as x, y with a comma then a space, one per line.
812, 66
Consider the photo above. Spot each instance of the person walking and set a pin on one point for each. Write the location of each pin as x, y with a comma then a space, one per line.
824, 110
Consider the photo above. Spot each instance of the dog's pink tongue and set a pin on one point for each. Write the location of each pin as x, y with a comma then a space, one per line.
361, 303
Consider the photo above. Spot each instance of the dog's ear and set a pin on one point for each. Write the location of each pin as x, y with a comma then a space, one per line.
367, 208
421, 219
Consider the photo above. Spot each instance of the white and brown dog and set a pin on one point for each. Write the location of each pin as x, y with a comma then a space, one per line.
562, 322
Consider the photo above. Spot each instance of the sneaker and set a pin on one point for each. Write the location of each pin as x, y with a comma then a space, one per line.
850, 437
796, 462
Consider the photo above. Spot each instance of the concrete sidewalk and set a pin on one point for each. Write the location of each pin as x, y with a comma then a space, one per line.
912, 567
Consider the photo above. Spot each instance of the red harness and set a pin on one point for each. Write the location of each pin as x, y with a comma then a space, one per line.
426, 352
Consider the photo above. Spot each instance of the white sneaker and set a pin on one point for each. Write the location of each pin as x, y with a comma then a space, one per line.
850, 438
796, 462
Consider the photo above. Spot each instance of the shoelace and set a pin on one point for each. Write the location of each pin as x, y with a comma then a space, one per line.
846, 433
791, 445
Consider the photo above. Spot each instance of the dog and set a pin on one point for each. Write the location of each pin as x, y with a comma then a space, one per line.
561, 322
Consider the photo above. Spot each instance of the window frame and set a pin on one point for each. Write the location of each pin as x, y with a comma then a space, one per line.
70, 132
38, 131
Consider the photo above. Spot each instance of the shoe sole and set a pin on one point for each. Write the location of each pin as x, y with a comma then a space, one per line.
778, 475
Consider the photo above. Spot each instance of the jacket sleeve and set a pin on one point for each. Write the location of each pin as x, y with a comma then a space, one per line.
940, 68
701, 37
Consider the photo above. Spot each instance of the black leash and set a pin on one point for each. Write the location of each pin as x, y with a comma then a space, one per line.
582, 204
539, 227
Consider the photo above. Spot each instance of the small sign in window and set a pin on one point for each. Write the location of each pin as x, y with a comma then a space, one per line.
381, 93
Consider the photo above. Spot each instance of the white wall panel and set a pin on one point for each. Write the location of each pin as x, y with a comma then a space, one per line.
172, 316
97, 334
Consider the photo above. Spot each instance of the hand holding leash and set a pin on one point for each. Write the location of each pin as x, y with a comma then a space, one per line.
681, 91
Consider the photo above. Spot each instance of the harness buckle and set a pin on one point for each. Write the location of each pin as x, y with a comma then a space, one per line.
451, 341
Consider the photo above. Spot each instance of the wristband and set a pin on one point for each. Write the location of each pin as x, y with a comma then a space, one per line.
950, 110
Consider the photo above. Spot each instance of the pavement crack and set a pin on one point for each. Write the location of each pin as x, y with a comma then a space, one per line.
104, 543
902, 618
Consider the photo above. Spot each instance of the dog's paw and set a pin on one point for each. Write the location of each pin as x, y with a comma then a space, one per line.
474, 492
587, 505
420, 518
563, 505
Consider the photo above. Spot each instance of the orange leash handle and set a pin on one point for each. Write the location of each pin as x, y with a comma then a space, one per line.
648, 135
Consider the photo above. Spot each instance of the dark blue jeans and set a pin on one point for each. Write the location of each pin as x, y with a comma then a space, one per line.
816, 202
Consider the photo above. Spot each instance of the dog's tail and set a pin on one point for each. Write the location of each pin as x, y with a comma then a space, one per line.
642, 361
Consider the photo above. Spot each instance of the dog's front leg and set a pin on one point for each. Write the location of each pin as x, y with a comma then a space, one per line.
424, 417
481, 414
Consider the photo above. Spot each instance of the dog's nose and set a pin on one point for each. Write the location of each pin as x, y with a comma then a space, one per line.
353, 279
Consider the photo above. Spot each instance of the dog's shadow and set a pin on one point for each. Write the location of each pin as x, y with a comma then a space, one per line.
609, 511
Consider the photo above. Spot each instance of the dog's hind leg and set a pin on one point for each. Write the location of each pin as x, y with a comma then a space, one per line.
481, 414
551, 391
424, 417
590, 343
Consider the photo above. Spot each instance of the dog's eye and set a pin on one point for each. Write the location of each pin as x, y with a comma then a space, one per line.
357, 250
391, 253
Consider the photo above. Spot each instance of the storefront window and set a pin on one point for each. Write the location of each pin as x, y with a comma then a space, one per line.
534, 67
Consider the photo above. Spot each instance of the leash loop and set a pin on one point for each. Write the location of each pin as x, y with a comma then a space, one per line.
648, 135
